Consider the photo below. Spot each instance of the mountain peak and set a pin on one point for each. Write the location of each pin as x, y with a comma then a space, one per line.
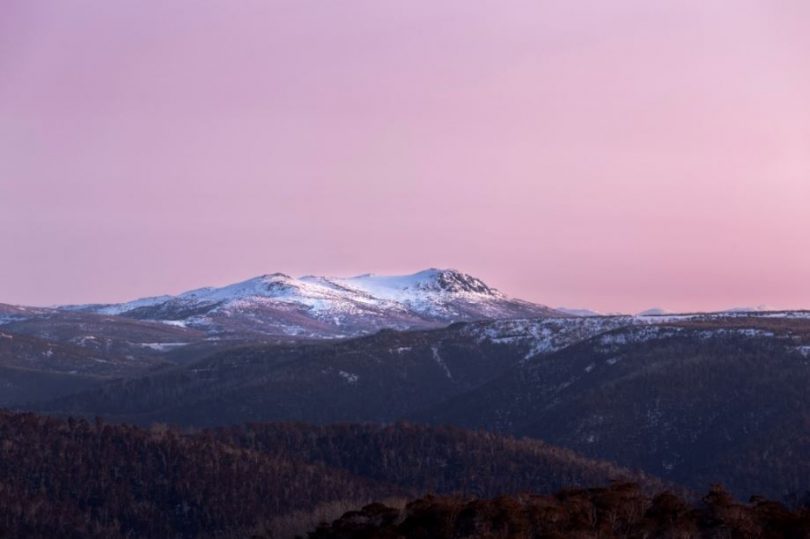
451, 280
272, 282
277, 276
431, 280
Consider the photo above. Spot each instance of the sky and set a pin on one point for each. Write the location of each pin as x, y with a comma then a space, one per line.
613, 155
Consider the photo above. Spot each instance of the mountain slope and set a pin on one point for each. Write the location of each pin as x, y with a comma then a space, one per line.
312, 306
692, 402
103, 334
34, 369
382, 377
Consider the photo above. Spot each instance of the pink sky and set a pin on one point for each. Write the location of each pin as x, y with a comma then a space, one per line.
616, 155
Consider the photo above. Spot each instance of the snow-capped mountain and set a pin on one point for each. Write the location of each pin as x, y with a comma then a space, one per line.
278, 304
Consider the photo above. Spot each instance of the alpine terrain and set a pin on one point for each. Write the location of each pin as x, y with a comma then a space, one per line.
311, 306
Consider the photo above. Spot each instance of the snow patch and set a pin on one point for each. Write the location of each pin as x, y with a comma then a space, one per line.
176, 323
162, 346
803, 350
438, 359
548, 335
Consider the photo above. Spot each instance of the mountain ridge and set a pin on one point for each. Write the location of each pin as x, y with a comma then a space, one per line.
321, 306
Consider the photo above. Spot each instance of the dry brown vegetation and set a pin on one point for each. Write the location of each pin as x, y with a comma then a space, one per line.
75, 478
619, 511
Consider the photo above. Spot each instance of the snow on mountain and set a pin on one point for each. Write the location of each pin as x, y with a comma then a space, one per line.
314, 306
417, 285
137, 304
446, 295
12, 313
540, 336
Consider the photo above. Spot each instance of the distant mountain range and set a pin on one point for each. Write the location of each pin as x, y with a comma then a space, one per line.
690, 398
313, 306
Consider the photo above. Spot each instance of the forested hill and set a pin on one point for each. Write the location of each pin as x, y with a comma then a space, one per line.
76, 478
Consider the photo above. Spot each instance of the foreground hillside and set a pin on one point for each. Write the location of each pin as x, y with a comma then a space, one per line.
69, 478
618, 511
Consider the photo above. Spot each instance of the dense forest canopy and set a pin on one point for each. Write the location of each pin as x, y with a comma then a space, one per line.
78, 478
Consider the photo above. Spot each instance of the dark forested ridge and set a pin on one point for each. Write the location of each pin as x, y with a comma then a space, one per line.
692, 408
384, 377
695, 402
618, 511
435, 459
77, 478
